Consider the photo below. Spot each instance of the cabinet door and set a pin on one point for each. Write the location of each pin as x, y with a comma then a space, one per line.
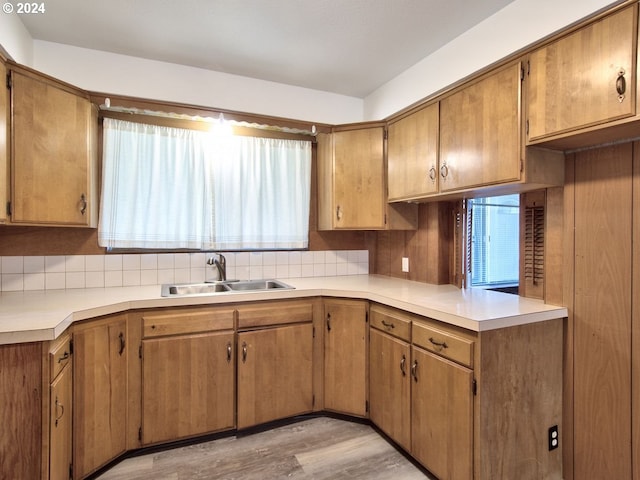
100, 394
442, 416
51, 149
345, 357
358, 178
480, 132
275, 375
188, 386
390, 386
412, 155
60, 424
573, 82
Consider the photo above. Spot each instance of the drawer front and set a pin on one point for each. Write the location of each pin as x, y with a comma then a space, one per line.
59, 356
274, 314
391, 322
443, 343
180, 323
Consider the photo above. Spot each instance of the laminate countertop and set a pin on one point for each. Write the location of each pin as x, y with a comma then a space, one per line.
33, 316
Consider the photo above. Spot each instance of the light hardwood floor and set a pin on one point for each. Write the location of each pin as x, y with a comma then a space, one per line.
314, 448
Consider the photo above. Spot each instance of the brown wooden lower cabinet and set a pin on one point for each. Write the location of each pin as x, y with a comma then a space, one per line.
466, 405
390, 381
188, 373
275, 373
188, 386
345, 356
441, 415
60, 409
100, 393
480, 404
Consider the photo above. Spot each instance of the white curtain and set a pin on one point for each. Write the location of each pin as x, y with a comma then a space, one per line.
168, 188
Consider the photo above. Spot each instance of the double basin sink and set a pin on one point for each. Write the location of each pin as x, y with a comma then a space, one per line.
184, 289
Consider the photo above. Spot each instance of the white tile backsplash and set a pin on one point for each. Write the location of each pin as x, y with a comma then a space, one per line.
118, 270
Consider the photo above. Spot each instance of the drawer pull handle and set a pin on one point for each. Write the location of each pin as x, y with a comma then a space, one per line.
438, 345
414, 370
63, 357
403, 362
328, 322
229, 352
244, 352
388, 326
61, 407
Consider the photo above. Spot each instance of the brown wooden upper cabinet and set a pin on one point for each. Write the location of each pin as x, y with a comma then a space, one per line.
4, 143
585, 78
412, 155
480, 132
53, 137
352, 191
481, 140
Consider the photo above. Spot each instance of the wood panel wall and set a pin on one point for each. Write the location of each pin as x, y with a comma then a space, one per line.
21, 411
428, 247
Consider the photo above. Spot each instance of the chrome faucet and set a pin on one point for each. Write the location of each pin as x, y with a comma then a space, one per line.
221, 265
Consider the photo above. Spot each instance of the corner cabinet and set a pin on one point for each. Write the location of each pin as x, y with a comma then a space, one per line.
345, 356
585, 78
352, 193
99, 393
53, 152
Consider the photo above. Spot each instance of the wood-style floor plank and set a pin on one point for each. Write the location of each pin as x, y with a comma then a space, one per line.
315, 448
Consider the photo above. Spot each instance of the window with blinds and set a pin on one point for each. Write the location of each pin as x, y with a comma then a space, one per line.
493, 246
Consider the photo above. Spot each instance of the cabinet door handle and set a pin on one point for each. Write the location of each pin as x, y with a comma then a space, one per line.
402, 365
61, 407
229, 352
444, 171
338, 213
388, 326
328, 322
621, 85
432, 173
83, 204
414, 370
63, 357
438, 345
244, 352
122, 343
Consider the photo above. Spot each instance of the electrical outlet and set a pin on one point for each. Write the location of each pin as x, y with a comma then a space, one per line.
405, 264
554, 438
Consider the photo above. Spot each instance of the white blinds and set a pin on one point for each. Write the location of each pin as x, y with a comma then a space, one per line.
169, 188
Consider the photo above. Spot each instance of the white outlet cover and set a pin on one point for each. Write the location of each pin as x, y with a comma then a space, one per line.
405, 264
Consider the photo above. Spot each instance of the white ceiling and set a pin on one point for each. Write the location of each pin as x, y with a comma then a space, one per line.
349, 47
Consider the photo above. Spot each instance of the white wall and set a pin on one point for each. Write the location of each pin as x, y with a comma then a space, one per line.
120, 74
15, 39
516, 26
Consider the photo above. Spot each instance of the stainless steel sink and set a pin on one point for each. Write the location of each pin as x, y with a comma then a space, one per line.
193, 289
258, 285
185, 289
